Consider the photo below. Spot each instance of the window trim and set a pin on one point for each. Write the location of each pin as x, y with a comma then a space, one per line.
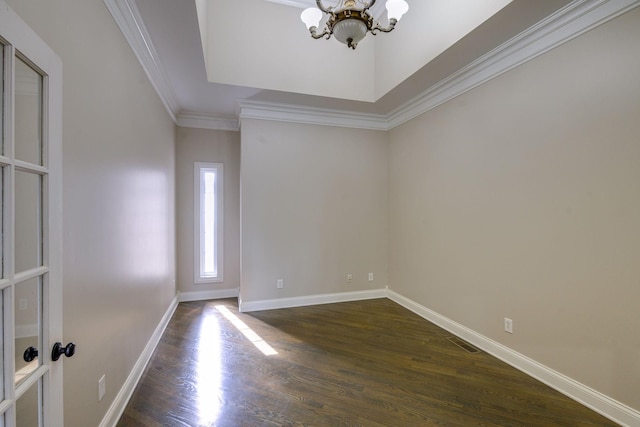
199, 168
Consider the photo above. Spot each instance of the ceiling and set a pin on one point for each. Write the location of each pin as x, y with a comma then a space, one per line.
174, 39
286, 58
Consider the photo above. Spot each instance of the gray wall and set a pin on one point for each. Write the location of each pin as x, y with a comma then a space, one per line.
521, 199
202, 145
118, 198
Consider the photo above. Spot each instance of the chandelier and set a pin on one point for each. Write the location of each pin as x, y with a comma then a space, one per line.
349, 20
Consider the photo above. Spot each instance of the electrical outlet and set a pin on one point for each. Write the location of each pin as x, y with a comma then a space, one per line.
23, 304
102, 387
508, 325
280, 284
349, 278
371, 277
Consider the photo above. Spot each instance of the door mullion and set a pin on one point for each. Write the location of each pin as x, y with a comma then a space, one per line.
8, 217
30, 274
30, 167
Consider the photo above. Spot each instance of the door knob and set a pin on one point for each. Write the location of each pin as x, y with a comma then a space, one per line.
30, 354
58, 350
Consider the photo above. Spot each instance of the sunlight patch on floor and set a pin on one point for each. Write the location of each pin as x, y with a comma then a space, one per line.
255, 339
209, 371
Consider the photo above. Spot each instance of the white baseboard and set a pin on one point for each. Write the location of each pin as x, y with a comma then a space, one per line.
122, 398
604, 405
311, 300
207, 295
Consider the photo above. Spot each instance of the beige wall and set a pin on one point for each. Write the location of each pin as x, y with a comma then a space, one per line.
118, 201
314, 209
521, 199
202, 145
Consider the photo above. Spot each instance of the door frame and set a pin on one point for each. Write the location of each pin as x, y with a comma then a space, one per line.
17, 34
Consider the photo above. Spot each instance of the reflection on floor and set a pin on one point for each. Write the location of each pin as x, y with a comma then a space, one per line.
369, 363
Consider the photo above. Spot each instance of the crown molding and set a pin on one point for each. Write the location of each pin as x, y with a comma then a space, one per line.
309, 115
130, 22
203, 121
566, 24
128, 19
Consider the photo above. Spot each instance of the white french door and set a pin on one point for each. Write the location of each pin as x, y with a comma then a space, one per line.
30, 226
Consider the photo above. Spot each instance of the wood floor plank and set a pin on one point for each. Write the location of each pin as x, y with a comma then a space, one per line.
366, 363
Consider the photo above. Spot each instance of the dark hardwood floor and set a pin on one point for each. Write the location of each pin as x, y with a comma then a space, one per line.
367, 363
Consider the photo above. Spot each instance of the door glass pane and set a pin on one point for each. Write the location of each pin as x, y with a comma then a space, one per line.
28, 220
28, 113
28, 408
27, 330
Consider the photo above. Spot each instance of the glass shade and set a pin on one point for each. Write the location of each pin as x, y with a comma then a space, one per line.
353, 29
311, 17
396, 8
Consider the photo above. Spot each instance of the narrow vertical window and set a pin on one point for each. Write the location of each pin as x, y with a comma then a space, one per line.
208, 185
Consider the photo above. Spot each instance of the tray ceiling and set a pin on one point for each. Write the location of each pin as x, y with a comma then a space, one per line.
271, 49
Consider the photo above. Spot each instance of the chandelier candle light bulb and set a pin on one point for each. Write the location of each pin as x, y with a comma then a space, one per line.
349, 20
396, 8
311, 17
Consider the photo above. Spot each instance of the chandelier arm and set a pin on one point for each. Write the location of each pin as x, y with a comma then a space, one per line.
370, 5
377, 27
315, 35
322, 7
